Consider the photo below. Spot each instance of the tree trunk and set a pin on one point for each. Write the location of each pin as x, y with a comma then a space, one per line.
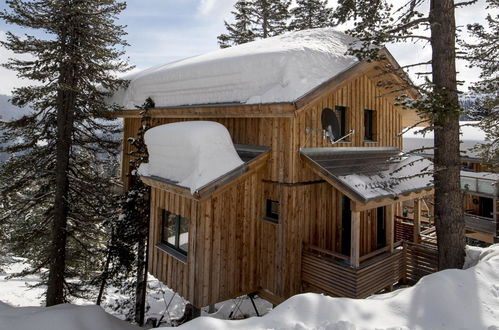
65, 118
448, 198
141, 288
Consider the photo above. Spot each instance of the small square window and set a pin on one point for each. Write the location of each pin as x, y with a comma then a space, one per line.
272, 211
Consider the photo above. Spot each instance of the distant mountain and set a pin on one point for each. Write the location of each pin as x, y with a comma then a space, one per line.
9, 111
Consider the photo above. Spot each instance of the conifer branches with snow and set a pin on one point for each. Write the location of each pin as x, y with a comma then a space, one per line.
56, 186
310, 14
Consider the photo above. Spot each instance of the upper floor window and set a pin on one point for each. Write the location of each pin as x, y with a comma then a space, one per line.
272, 211
369, 125
175, 234
341, 112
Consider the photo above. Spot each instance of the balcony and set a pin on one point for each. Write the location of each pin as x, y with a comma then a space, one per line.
483, 183
331, 273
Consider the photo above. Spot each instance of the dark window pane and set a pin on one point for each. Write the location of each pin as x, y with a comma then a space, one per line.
341, 113
272, 209
171, 229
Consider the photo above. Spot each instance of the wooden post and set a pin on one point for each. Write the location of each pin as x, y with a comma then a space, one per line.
390, 223
417, 220
355, 240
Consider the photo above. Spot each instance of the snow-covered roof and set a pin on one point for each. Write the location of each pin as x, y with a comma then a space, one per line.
190, 154
471, 136
280, 69
372, 173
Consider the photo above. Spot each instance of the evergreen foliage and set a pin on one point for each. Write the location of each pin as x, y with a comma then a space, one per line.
255, 19
484, 54
241, 31
270, 17
55, 189
310, 14
379, 23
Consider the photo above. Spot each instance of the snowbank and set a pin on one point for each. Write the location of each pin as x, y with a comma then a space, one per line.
471, 136
451, 299
277, 69
191, 153
61, 317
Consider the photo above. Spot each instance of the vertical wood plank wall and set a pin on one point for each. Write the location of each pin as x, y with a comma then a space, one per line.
232, 250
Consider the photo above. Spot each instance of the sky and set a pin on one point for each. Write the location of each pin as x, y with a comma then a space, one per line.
162, 31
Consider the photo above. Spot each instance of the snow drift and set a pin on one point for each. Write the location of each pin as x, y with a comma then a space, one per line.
191, 153
60, 317
451, 299
277, 69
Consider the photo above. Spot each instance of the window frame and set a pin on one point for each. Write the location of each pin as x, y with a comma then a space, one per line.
269, 215
173, 249
370, 118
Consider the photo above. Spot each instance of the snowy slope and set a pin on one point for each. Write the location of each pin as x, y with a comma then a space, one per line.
277, 69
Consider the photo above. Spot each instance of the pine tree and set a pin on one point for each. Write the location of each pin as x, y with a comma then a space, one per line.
376, 24
54, 193
310, 14
270, 17
484, 55
241, 31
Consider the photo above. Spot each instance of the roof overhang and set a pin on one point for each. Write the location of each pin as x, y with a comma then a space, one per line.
254, 158
371, 177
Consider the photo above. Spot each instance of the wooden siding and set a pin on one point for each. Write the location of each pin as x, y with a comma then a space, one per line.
310, 213
168, 269
356, 94
221, 262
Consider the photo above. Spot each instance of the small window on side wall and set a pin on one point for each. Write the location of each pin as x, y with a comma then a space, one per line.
369, 125
175, 234
272, 211
341, 112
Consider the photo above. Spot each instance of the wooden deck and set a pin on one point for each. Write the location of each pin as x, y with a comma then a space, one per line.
332, 274
481, 224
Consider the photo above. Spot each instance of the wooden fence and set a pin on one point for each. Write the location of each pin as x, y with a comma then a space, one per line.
323, 273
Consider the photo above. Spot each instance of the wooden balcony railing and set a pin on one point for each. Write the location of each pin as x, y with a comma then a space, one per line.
325, 272
482, 224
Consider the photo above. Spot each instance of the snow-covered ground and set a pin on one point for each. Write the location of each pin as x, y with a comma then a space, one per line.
451, 299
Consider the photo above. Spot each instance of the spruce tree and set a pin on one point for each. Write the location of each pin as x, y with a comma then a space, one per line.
379, 23
310, 14
484, 55
270, 17
241, 31
55, 196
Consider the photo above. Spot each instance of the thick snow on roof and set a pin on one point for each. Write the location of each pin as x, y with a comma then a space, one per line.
277, 69
191, 153
471, 135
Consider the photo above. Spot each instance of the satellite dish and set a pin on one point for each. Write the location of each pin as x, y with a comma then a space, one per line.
330, 125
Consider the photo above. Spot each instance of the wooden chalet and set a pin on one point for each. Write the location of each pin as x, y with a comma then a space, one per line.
292, 218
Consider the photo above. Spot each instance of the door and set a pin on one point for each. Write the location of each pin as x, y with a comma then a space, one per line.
346, 226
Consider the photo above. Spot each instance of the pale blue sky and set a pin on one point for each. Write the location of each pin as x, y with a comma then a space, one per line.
161, 31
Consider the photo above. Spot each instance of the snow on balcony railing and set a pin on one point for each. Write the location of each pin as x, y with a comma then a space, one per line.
480, 182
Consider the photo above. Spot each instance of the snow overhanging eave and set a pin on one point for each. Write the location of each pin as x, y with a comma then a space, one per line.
254, 157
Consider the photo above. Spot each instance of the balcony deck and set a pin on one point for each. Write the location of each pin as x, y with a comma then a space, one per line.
330, 273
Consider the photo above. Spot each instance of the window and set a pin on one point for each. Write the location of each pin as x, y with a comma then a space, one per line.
272, 211
341, 113
369, 125
175, 234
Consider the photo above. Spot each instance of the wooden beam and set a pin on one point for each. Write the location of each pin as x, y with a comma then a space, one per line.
417, 220
355, 240
217, 111
390, 223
